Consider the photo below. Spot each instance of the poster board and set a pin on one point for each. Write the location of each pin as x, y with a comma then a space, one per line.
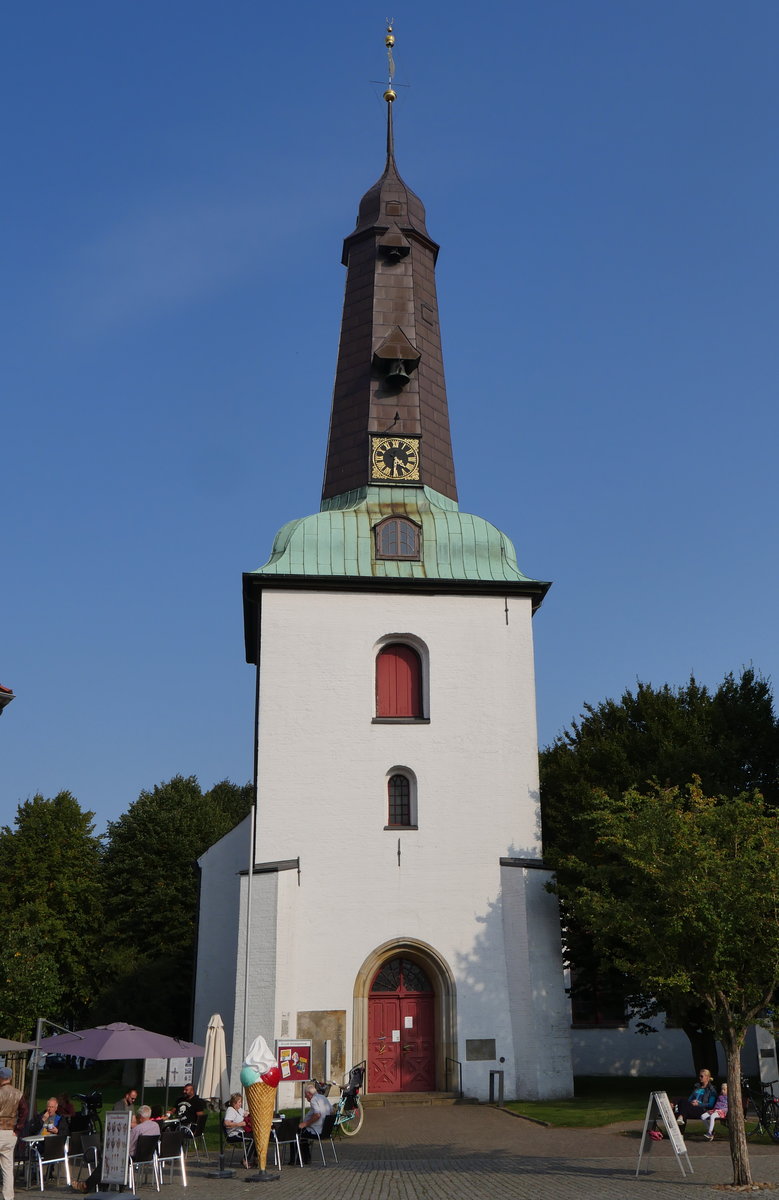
659, 1109
116, 1148
294, 1059
168, 1072
766, 1054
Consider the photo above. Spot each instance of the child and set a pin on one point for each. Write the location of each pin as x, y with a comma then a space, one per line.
719, 1112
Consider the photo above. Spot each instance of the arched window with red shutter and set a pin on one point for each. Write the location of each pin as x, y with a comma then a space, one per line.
398, 682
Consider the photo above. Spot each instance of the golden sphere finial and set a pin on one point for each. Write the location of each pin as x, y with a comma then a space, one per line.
389, 39
390, 95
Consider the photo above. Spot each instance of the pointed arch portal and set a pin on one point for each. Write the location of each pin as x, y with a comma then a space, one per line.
404, 1018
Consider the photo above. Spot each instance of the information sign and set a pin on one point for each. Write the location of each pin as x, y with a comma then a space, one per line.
168, 1072
294, 1059
766, 1053
116, 1148
659, 1109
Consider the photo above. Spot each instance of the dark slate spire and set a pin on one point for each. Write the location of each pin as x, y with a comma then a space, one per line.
390, 373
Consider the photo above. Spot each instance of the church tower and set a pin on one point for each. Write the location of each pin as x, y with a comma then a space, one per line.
396, 909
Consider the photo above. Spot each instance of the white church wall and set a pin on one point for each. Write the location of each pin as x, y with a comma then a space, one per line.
539, 1007
217, 941
257, 1001
323, 769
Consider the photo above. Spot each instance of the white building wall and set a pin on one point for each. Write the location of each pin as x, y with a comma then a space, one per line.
218, 933
622, 1052
323, 769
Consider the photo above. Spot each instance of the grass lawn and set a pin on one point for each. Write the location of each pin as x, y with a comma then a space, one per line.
601, 1101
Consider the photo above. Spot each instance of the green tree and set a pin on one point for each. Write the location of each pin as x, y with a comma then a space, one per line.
728, 737
50, 872
29, 980
151, 898
685, 900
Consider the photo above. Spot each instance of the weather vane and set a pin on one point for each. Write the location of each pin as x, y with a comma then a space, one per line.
389, 42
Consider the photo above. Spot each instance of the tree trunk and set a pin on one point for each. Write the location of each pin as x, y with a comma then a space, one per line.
704, 1047
738, 1139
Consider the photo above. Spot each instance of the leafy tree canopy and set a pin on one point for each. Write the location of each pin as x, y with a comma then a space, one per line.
152, 892
684, 899
50, 870
29, 979
728, 737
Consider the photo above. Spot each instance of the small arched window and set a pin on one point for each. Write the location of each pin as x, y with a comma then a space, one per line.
398, 681
399, 797
397, 537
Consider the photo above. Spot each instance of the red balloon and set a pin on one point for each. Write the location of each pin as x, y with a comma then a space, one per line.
272, 1076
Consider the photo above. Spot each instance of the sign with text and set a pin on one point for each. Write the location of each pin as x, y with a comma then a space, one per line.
294, 1059
659, 1109
116, 1148
164, 1072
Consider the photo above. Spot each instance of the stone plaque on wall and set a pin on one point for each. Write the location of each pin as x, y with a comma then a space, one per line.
321, 1026
480, 1050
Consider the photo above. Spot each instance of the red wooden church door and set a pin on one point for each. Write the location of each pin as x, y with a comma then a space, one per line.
401, 1029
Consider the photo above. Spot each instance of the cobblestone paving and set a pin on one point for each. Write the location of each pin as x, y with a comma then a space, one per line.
477, 1153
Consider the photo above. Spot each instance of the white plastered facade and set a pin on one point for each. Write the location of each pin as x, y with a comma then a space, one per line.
487, 933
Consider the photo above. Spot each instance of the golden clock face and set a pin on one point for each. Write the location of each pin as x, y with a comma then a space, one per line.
394, 459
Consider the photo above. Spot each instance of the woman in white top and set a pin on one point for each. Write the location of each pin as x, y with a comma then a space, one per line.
235, 1121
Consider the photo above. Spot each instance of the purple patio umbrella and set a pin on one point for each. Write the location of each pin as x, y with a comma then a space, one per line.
7, 1045
119, 1041
116, 1041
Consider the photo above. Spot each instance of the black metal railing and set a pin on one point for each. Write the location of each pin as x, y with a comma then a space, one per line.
451, 1063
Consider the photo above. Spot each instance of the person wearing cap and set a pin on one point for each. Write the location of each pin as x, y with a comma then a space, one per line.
13, 1117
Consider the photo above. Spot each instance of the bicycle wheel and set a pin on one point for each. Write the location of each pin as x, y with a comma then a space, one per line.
752, 1117
352, 1122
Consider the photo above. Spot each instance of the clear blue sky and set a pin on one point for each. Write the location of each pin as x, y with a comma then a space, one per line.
178, 178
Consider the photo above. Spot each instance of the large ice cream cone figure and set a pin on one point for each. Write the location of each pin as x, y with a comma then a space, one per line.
260, 1076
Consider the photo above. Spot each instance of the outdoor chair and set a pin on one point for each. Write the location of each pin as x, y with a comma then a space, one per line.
171, 1151
50, 1152
194, 1135
144, 1157
328, 1125
286, 1134
241, 1141
75, 1149
90, 1152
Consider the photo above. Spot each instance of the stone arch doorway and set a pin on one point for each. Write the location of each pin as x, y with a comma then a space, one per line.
405, 1018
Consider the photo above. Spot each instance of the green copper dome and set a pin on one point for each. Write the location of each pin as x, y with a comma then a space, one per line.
340, 540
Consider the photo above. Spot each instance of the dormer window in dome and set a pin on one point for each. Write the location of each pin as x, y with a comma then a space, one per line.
399, 538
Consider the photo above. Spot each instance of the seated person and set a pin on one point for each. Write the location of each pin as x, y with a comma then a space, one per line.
50, 1119
311, 1125
235, 1118
702, 1097
189, 1106
718, 1113
125, 1103
144, 1127
235, 1121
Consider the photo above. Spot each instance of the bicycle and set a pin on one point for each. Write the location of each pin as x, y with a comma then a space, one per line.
88, 1120
347, 1110
761, 1109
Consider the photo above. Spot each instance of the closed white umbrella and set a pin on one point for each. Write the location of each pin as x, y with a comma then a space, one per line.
213, 1080
213, 1076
